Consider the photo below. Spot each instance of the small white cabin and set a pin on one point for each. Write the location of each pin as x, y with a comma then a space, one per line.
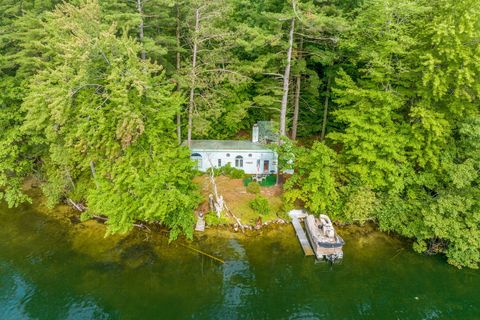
252, 157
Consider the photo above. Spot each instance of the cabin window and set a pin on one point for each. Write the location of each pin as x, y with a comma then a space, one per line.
197, 157
239, 161
250, 155
219, 162
228, 154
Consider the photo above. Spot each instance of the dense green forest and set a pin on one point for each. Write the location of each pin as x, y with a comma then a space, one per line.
379, 100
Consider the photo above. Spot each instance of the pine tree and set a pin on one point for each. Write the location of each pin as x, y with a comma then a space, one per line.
105, 117
20, 56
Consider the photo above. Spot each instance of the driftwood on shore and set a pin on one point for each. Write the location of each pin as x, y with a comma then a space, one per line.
81, 208
78, 206
218, 205
236, 219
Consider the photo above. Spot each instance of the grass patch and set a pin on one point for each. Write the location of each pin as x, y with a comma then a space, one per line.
238, 200
250, 216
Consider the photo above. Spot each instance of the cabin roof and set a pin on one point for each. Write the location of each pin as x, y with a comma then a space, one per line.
239, 145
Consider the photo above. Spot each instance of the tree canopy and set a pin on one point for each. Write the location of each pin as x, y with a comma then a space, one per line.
382, 97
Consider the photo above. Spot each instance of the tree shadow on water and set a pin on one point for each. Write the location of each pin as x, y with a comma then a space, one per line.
138, 255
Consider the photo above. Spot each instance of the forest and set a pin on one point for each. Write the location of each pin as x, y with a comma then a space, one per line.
377, 101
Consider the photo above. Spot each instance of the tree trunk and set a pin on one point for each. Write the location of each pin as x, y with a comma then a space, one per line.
179, 119
217, 199
141, 27
94, 172
193, 78
296, 104
325, 111
92, 169
286, 79
298, 87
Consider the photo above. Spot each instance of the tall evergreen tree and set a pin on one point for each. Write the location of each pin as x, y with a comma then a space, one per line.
105, 119
20, 56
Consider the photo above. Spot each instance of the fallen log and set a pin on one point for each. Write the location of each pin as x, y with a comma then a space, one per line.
235, 217
203, 253
80, 207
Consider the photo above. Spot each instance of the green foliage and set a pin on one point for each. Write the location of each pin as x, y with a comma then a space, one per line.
211, 219
315, 181
404, 142
102, 112
83, 112
85, 216
286, 153
20, 38
407, 157
360, 204
267, 181
260, 204
253, 187
228, 171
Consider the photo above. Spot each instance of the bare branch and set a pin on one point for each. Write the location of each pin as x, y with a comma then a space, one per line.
84, 86
226, 71
278, 75
308, 36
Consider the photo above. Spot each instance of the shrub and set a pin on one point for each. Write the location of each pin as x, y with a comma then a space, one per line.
232, 172
229, 171
253, 187
260, 205
211, 219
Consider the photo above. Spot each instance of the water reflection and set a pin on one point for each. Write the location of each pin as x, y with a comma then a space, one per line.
238, 285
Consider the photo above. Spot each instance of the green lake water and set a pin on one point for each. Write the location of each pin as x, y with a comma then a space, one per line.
57, 268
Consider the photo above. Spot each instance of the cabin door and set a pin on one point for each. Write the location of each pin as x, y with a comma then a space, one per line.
266, 166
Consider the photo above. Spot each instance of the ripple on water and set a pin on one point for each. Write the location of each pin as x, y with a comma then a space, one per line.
15, 294
52, 270
86, 308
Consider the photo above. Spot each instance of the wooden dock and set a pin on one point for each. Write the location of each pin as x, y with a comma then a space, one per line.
302, 237
200, 224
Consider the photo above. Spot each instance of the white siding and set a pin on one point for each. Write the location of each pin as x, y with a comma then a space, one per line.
250, 159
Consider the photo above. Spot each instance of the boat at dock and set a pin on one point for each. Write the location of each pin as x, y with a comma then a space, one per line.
323, 241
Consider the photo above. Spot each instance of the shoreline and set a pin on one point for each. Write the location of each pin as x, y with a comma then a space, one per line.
66, 213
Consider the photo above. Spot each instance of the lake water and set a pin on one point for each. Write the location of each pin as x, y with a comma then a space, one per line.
57, 268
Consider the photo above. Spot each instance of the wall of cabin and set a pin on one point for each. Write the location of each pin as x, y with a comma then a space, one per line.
251, 161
